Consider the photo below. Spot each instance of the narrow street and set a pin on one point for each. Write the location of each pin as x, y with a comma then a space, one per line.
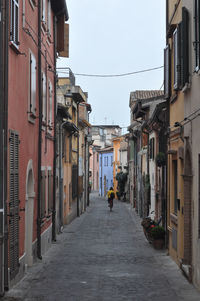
104, 256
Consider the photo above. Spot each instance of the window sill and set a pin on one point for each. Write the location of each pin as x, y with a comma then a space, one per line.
173, 98
32, 4
14, 47
186, 88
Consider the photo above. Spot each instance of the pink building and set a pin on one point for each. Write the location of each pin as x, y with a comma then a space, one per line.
31, 101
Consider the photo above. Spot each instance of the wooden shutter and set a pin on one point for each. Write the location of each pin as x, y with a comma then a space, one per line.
43, 194
184, 47
167, 71
14, 204
177, 61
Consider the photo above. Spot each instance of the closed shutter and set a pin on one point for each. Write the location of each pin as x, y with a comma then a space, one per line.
167, 71
32, 84
177, 57
44, 99
50, 104
50, 191
43, 194
184, 47
14, 205
197, 33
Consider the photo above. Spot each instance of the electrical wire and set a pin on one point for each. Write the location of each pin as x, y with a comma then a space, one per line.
112, 75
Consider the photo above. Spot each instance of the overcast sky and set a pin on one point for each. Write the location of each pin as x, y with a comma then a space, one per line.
115, 37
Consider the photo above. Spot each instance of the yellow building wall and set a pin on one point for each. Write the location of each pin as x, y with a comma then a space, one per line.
116, 162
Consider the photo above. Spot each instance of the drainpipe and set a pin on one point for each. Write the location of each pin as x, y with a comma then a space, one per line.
85, 178
55, 138
3, 145
39, 135
78, 210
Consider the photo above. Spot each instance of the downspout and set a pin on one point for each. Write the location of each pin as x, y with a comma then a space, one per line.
39, 135
85, 159
3, 124
78, 211
55, 138
6, 35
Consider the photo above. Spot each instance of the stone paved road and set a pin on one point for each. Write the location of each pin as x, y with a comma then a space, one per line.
104, 256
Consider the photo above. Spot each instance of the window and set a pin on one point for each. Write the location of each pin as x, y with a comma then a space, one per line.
111, 160
152, 148
14, 22
50, 103
181, 52
44, 99
32, 84
176, 58
197, 34
104, 161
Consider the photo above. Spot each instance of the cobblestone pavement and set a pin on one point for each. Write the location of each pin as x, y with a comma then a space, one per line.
104, 256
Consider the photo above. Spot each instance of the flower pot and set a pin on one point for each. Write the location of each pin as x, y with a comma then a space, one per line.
158, 244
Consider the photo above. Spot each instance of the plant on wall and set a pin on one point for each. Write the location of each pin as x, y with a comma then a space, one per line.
160, 159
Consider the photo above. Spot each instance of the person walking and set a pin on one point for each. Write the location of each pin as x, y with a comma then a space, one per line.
111, 196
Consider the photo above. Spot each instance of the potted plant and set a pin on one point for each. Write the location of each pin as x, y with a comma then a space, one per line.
158, 237
160, 159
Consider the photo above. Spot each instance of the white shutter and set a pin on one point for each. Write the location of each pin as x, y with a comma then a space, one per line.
44, 100
33, 84
50, 121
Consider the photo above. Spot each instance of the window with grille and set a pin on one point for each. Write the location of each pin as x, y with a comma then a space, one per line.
14, 22
49, 18
14, 204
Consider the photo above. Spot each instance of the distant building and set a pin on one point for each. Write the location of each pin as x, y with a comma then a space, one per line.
102, 135
105, 170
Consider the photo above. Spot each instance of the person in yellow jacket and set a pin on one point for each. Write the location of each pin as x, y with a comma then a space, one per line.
111, 196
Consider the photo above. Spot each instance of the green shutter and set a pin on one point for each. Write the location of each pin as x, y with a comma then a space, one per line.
14, 204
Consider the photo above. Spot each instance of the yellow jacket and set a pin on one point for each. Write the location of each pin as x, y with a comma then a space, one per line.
109, 193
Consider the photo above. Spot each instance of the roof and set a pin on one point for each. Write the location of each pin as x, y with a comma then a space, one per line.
106, 150
107, 126
60, 8
145, 94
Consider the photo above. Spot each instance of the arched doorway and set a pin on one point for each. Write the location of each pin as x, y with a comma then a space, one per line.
29, 209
